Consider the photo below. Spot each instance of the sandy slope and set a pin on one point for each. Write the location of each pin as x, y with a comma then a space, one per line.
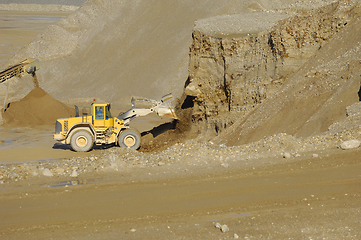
123, 48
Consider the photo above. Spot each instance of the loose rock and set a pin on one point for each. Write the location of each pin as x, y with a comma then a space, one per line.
224, 228
350, 144
225, 165
47, 172
218, 225
59, 171
74, 173
286, 155
13, 175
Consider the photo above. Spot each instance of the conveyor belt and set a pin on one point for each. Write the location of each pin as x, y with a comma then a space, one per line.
28, 65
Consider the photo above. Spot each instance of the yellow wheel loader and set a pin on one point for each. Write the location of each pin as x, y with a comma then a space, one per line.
99, 127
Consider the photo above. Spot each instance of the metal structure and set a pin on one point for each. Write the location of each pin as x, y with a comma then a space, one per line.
99, 127
27, 66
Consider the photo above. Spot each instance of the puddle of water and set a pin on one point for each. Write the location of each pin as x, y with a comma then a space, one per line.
72, 183
67, 183
6, 141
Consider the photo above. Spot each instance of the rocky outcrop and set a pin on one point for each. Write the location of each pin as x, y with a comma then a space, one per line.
229, 76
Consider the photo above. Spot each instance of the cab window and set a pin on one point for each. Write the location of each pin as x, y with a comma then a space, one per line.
107, 113
99, 112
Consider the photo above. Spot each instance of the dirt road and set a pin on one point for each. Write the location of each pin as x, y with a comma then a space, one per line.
307, 199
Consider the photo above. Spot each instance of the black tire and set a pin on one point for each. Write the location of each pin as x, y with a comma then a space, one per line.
129, 138
82, 141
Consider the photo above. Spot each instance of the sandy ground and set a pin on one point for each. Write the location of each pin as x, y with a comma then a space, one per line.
30, 144
306, 197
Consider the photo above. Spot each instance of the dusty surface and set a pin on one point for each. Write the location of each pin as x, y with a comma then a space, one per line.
30, 144
284, 176
316, 198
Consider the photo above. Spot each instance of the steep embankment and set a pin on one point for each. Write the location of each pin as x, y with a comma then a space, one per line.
260, 85
315, 97
115, 49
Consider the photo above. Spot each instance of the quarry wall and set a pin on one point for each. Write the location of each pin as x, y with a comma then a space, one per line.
230, 76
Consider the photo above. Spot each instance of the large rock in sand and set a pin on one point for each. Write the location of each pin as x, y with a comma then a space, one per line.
350, 144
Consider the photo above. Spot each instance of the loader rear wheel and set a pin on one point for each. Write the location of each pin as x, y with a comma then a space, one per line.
81, 141
129, 138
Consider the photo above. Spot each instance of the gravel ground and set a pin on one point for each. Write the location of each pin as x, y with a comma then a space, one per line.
181, 158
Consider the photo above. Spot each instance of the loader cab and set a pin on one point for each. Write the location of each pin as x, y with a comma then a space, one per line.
102, 117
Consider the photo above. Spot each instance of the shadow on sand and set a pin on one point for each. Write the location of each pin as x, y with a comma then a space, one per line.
68, 147
156, 131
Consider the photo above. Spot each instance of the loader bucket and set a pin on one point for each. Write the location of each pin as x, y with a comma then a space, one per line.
166, 109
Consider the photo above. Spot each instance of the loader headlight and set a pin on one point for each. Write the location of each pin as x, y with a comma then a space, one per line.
58, 127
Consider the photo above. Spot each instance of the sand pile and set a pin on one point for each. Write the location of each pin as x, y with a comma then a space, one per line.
36, 108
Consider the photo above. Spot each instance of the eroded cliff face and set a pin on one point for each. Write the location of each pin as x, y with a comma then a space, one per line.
229, 76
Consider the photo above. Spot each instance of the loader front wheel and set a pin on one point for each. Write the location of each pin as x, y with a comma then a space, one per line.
81, 141
129, 138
